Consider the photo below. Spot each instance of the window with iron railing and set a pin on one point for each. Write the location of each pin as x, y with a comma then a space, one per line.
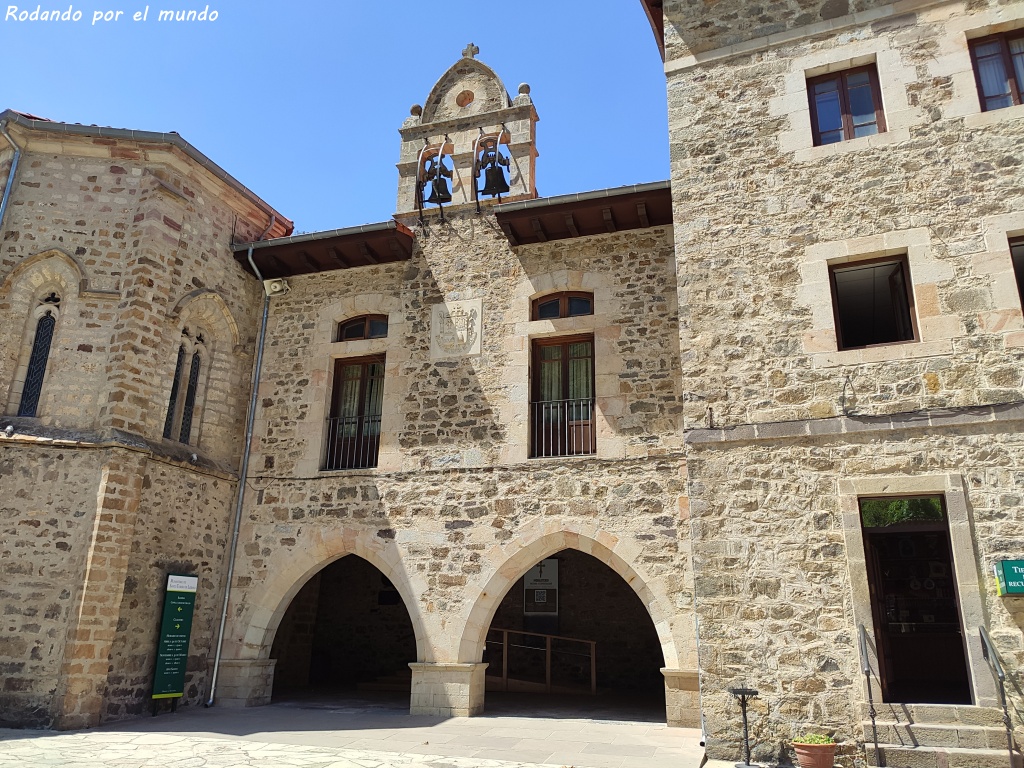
562, 403
353, 427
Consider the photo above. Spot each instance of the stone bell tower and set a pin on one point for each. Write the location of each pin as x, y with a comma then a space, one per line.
467, 110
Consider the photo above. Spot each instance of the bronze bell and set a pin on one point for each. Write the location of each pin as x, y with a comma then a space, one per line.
439, 192
494, 181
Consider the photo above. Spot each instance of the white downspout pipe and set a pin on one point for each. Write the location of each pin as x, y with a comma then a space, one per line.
10, 176
243, 471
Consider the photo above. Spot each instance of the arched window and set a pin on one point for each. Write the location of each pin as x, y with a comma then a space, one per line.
187, 370
565, 304
33, 387
365, 327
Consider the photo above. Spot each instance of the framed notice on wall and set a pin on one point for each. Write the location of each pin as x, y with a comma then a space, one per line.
175, 633
541, 589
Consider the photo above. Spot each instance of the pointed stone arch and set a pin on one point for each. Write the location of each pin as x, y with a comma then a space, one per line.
488, 93
62, 267
289, 570
533, 544
209, 306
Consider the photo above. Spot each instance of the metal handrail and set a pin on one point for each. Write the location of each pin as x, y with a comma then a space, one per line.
505, 645
865, 665
988, 650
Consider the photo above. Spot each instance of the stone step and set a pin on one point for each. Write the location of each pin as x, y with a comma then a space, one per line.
894, 756
937, 714
935, 735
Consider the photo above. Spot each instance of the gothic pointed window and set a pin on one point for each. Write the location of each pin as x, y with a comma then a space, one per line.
181, 405
39, 356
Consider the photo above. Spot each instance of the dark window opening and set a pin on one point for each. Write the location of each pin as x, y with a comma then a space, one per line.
33, 388
353, 428
999, 69
190, 399
846, 105
872, 303
366, 327
1017, 254
172, 404
562, 406
568, 304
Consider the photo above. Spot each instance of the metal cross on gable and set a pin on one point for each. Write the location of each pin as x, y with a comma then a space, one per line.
470, 51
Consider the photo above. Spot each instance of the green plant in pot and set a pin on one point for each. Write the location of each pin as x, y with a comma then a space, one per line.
815, 750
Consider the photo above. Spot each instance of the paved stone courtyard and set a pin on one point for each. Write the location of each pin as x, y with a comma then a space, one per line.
516, 733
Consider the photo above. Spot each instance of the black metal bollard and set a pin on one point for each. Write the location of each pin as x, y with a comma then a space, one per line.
743, 694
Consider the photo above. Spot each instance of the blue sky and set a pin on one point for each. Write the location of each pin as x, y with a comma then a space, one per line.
301, 101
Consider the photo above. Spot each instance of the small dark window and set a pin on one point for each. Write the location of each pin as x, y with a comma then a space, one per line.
999, 69
366, 327
1017, 254
846, 105
37, 360
872, 303
568, 304
187, 375
172, 403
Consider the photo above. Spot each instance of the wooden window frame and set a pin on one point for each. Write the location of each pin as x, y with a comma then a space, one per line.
366, 319
1003, 38
332, 413
904, 261
844, 101
563, 305
535, 382
1018, 242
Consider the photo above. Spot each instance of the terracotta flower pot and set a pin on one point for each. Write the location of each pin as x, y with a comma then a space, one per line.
815, 755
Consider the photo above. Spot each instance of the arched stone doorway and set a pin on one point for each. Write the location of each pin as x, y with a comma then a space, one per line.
504, 566
573, 628
346, 631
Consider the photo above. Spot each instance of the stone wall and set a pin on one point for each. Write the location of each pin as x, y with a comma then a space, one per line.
44, 537
183, 526
943, 184
472, 411
774, 563
136, 241
779, 419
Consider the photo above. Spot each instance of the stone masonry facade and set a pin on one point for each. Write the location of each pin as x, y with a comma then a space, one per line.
735, 437
786, 430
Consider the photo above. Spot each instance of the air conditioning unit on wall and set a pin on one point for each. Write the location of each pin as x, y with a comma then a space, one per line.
277, 287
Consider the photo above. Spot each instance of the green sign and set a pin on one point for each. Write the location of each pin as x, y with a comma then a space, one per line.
175, 630
1010, 577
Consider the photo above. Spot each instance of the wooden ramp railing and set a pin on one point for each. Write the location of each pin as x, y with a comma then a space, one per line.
505, 644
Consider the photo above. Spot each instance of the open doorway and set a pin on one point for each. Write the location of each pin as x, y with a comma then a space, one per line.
572, 630
348, 632
914, 601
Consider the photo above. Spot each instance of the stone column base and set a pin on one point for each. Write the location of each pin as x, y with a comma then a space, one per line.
447, 690
682, 698
244, 683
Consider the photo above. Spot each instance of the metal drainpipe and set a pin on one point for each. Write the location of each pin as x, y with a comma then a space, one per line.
244, 469
10, 175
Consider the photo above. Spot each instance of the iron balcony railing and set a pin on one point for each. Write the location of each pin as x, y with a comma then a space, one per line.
352, 442
562, 428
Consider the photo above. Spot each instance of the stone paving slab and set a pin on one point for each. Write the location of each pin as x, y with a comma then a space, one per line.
290, 736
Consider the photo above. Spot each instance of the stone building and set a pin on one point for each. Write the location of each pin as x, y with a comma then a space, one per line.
768, 411
849, 206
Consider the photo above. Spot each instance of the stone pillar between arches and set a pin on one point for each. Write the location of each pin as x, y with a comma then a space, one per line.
447, 690
682, 698
244, 682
